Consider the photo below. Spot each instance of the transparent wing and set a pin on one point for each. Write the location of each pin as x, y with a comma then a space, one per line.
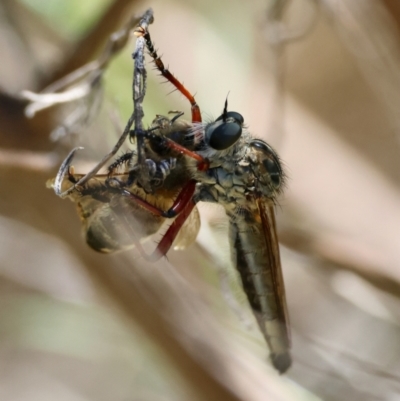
267, 215
112, 222
188, 233
255, 252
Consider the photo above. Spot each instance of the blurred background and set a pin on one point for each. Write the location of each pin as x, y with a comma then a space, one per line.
319, 80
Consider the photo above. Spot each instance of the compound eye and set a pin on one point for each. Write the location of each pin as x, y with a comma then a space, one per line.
274, 171
270, 161
225, 131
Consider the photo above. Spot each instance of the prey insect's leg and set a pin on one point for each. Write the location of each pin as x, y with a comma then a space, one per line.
139, 85
196, 114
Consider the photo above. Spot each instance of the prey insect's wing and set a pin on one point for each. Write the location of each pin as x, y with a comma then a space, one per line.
188, 233
113, 222
107, 216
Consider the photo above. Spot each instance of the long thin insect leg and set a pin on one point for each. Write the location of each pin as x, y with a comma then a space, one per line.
183, 198
139, 89
202, 165
182, 207
196, 113
168, 238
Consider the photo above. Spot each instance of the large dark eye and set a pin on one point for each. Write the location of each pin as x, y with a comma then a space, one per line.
225, 131
274, 171
270, 161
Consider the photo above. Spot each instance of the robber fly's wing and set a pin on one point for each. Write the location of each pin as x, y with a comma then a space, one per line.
255, 252
189, 231
267, 214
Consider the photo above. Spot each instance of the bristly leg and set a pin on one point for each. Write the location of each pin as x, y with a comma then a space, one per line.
181, 209
202, 163
122, 160
196, 114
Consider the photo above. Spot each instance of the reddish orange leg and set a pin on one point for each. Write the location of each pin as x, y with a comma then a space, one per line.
181, 208
168, 238
179, 204
202, 163
184, 203
196, 114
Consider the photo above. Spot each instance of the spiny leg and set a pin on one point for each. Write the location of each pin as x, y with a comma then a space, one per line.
202, 163
181, 209
168, 238
196, 114
179, 204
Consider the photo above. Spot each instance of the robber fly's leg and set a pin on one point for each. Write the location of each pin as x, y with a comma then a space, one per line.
168, 238
179, 204
202, 163
182, 207
196, 114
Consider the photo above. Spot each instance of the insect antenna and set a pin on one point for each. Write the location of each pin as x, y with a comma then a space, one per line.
225, 111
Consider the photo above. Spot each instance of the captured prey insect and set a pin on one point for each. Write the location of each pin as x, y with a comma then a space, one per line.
121, 208
186, 163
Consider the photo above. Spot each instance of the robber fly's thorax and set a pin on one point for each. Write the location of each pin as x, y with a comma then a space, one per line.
249, 167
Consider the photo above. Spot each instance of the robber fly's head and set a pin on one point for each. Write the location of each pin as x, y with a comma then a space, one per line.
225, 131
266, 165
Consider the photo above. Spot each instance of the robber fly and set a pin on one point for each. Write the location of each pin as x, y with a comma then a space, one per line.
187, 163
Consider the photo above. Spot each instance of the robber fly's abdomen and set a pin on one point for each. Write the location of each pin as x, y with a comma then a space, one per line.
251, 256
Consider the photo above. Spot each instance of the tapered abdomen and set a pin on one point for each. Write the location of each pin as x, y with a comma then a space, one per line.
255, 253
